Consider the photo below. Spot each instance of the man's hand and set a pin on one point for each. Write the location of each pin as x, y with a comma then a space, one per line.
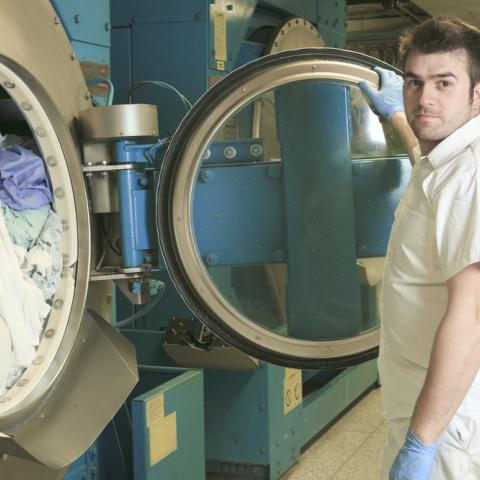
414, 460
389, 99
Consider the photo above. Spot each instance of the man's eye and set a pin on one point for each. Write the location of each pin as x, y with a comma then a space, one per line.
445, 83
413, 83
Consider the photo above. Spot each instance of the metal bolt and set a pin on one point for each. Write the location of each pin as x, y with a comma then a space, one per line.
211, 259
107, 26
40, 131
143, 181
26, 106
8, 84
58, 303
22, 382
51, 161
256, 149
56, 20
65, 225
76, 18
87, 95
274, 171
73, 56
207, 175
50, 333
59, 192
230, 152
38, 360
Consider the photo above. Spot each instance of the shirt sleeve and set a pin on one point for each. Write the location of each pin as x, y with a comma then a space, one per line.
457, 215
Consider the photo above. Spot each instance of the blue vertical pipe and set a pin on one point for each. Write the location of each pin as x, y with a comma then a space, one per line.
323, 291
127, 183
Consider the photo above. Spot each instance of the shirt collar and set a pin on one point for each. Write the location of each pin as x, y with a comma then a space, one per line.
455, 142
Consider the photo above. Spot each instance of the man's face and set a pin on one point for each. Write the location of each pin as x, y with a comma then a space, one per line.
437, 95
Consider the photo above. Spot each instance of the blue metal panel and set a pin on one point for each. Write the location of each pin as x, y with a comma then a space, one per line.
377, 188
238, 214
323, 293
237, 433
175, 53
126, 12
304, 9
248, 432
332, 22
182, 397
91, 53
121, 62
85, 20
249, 51
235, 151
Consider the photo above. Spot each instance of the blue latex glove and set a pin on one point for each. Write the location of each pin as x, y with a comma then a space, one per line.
389, 99
414, 460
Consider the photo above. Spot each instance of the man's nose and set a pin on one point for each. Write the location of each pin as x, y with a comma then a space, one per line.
427, 95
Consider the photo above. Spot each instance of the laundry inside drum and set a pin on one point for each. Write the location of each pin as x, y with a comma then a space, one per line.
31, 233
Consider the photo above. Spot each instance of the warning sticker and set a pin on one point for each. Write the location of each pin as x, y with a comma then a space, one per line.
220, 36
155, 409
163, 438
162, 430
292, 389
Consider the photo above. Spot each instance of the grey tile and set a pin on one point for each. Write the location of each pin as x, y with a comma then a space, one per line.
382, 428
365, 463
366, 416
351, 449
326, 456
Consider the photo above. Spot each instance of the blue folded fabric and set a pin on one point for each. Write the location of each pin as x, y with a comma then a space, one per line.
23, 180
24, 226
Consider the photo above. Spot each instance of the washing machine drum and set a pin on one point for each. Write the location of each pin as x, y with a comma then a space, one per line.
83, 369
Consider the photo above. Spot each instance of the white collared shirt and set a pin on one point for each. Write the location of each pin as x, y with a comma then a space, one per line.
436, 234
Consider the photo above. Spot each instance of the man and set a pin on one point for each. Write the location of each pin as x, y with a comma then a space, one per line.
430, 336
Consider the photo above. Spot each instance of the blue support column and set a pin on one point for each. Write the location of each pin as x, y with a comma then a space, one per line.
323, 292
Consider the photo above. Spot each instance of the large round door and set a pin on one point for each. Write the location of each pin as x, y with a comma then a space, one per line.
81, 369
313, 193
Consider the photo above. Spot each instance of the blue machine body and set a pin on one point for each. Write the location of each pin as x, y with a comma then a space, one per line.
234, 423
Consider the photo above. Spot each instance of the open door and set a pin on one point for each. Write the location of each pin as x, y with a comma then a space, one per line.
334, 174
82, 370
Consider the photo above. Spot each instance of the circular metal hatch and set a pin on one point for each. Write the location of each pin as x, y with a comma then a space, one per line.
42, 87
190, 267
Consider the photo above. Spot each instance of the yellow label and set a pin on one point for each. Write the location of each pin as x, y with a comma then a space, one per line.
163, 437
220, 65
155, 409
292, 389
220, 35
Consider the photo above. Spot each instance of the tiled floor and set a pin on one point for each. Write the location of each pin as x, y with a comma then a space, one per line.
351, 449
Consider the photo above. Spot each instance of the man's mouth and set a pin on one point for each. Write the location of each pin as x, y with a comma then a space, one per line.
426, 115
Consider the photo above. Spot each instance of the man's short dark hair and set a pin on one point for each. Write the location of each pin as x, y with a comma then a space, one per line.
444, 34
